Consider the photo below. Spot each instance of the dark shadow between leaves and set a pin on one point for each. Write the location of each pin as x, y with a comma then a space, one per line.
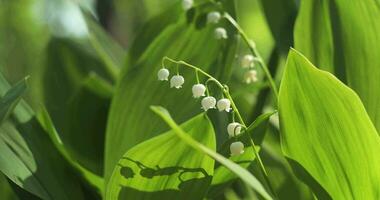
187, 189
304, 176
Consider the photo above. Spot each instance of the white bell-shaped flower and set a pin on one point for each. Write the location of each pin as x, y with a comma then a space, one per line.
198, 90
213, 17
163, 74
250, 76
177, 81
220, 33
187, 4
208, 103
236, 148
248, 61
233, 129
224, 104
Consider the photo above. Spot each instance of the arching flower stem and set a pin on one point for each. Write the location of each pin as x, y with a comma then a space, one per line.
236, 112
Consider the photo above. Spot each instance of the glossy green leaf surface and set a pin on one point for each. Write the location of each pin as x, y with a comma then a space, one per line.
165, 166
343, 38
27, 156
242, 173
326, 133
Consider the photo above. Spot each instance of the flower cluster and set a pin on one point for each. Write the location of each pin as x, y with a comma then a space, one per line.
208, 102
198, 91
248, 62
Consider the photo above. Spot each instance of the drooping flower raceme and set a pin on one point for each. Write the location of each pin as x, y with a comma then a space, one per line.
248, 61
220, 33
250, 76
177, 81
213, 17
224, 104
208, 103
236, 148
163, 74
233, 129
198, 90
187, 4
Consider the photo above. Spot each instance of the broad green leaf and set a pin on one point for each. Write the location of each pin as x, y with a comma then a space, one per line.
343, 38
327, 134
90, 178
29, 159
130, 121
242, 173
165, 166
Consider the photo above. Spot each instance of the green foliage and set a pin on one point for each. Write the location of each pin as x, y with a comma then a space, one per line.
327, 134
90, 71
165, 166
348, 47
27, 156
242, 173
127, 114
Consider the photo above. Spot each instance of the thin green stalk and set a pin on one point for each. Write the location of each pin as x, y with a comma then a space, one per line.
255, 52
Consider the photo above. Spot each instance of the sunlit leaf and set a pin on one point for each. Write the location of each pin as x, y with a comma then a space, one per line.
343, 38
165, 166
326, 133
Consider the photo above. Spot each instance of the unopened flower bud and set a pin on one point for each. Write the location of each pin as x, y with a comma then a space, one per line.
233, 129
236, 148
220, 33
177, 81
213, 17
198, 90
163, 74
224, 104
187, 4
208, 103
248, 61
250, 76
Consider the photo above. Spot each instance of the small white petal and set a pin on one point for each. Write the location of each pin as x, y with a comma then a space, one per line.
208, 103
248, 61
198, 90
236, 148
220, 33
233, 129
177, 81
250, 76
224, 104
163, 74
187, 4
213, 17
